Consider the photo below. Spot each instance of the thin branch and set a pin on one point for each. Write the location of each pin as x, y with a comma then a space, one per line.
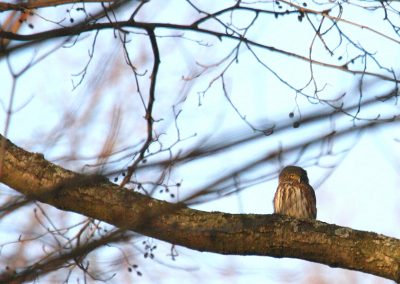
76, 30
4, 6
61, 260
148, 116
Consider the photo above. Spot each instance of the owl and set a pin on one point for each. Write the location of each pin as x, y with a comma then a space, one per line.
294, 196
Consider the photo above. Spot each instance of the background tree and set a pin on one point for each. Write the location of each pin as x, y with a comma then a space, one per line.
199, 104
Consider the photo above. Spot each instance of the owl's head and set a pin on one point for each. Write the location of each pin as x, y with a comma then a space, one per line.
293, 173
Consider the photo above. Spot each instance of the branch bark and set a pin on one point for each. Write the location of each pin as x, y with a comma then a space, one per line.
240, 234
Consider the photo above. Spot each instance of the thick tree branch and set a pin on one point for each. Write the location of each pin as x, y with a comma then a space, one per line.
241, 234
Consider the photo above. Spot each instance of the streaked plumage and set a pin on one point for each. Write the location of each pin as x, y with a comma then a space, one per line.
294, 196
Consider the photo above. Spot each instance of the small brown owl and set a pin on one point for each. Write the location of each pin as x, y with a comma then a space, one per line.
294, 196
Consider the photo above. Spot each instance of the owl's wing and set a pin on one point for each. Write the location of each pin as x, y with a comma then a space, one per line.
310, 195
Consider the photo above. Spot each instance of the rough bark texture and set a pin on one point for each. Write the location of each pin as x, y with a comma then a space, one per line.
241, 234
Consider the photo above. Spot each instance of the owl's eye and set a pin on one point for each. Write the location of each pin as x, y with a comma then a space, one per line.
295, 177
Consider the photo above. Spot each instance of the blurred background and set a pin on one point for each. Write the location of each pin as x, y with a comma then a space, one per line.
242, 90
